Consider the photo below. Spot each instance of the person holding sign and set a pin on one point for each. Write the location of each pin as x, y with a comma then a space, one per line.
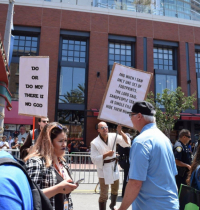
103, 155
151, 184
24, 150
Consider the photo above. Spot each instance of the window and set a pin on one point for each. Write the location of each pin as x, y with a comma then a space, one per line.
198, 86
197, 61
72, 75
165, 66
26, 42
121, 50
25, 45
163, 58
72, 85
74, 120
74, 50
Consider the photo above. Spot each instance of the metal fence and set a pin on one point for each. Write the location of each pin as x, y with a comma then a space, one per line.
80, 165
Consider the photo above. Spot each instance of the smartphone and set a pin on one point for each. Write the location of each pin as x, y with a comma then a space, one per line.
79, 181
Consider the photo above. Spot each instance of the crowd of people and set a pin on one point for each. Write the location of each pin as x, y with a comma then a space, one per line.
154, 171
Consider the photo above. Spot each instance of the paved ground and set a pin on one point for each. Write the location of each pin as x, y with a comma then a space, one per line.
84, 197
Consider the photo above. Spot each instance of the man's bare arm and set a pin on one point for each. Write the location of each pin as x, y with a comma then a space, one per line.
132, 190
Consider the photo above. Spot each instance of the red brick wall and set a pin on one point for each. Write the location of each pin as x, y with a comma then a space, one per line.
100, 26
3, 15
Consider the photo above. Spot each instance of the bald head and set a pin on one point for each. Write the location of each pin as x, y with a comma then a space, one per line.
103, 129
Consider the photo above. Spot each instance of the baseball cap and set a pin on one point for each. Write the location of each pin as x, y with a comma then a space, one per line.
143, 107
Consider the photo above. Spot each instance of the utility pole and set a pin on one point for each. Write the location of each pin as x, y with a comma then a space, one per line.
7, 36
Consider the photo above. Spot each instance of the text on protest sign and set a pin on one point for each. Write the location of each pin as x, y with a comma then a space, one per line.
125, 86
33, 85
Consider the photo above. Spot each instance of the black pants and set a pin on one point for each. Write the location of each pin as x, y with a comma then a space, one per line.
181, 180
126, 170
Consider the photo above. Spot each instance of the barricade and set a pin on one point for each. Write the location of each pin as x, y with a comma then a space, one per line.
14, 152
81, 166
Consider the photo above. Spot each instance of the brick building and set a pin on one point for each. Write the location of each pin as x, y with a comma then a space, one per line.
83, 41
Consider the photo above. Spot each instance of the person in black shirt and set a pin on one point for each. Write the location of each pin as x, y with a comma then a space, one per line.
182, 156
82, 147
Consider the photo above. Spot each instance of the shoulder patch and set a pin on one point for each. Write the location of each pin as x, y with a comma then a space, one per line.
178, 149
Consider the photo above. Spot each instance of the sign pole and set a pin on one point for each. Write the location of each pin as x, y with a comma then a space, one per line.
115, 140
33, 136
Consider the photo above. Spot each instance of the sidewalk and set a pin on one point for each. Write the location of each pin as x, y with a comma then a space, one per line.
84, 197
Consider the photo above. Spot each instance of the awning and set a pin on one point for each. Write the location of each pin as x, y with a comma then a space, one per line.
95, 112
12, 117
190, 116
5, 93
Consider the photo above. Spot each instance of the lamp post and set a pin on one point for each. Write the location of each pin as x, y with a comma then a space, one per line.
5, 49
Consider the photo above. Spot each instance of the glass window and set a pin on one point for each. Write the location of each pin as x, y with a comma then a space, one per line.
197, 61
72, 85
25, 45
198, 86
74, 121
74, 50
165, 58
120, 53
165, 81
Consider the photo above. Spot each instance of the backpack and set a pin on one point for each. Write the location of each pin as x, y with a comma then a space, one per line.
40, 201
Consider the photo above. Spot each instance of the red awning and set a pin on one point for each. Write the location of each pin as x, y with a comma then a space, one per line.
12, 117
189, 116
95, 112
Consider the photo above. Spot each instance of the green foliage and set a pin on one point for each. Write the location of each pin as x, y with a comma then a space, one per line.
173, 103
76, 96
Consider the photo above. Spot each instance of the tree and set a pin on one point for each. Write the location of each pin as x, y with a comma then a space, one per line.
76, 96
172, 103
142, 5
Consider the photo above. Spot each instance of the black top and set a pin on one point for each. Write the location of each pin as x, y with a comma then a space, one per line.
81, 149
182, 153
106, 142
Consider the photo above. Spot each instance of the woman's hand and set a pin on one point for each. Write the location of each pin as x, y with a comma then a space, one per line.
65, 187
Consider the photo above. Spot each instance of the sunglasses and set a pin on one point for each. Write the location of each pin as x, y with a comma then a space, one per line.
131, 114
45, 121
60, 127
104, 127
188, 136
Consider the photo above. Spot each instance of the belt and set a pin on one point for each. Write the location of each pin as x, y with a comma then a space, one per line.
112, 160
109, 161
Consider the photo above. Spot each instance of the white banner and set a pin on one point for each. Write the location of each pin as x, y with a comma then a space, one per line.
125, 86
33, 85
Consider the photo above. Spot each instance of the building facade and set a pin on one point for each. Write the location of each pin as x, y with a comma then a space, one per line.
83, 41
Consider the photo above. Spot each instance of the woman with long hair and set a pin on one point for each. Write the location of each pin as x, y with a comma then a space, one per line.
46, 166
193, 179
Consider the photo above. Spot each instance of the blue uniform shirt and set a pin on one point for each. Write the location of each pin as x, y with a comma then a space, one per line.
152, 161
15, 193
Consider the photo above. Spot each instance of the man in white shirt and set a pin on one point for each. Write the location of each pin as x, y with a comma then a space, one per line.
3, 143
103, 155
22, 134
10, 140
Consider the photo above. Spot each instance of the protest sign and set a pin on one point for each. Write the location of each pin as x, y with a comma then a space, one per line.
33, 85
125, 86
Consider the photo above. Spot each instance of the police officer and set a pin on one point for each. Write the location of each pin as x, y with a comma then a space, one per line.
124, 163
182, 156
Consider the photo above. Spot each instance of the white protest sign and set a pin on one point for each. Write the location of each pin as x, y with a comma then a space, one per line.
125, 86
33, 85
